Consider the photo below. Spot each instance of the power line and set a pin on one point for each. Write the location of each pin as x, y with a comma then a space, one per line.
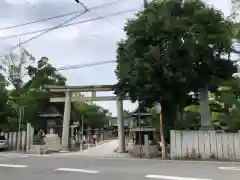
89, 9
85, 65
69, 24
40, 20
100, 16
57, 17
45, 32
82, 65
79, 2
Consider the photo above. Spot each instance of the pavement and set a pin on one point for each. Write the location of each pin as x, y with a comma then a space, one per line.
100, 163
83, 167
106, 149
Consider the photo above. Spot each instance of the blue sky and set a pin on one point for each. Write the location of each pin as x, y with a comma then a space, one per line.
89, 42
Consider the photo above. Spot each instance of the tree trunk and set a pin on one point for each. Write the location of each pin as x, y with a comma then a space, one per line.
206, 121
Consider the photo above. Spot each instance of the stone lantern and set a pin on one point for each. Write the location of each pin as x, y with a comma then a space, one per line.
143, 143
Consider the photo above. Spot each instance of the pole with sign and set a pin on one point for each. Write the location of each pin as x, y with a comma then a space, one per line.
158, 109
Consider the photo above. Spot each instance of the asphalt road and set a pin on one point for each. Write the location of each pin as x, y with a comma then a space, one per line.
89, 168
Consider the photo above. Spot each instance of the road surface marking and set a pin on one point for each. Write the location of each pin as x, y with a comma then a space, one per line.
173, 177
77, 170
230, 168
13, 165
24, 156
39, 155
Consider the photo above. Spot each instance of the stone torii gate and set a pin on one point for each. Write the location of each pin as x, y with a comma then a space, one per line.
70, 91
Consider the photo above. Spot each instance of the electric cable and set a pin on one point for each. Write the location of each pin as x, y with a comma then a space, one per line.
84, 65
67, 25
57, 17
47, 31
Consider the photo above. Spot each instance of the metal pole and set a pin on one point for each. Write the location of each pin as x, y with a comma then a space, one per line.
89, 137
140, 129
19, 127
81, 134
162, 136
19, 106
145, 3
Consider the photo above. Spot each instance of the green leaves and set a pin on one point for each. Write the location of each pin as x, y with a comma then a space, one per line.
94, 115
171, 50
169, 44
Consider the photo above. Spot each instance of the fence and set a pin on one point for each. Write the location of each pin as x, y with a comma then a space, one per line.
25, 138
11, 137
204, 145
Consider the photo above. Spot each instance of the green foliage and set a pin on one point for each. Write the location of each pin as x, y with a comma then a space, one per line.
169, 45
14, 65
32, 96
227, 104
94, 115
4, 108
171, 50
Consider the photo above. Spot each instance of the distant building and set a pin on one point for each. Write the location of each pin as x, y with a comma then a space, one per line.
113, 125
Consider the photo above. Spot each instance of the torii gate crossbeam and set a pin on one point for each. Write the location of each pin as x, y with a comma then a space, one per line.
69, 97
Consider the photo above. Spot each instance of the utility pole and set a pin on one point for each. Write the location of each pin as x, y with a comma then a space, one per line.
145, 2
20, 99
81, 133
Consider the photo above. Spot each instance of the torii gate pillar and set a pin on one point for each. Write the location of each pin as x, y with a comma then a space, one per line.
93, 88
120, 121
66, 120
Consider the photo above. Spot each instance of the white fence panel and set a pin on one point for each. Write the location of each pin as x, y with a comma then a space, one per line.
11, 137
14, 145
23, 140
205, 145
10, 140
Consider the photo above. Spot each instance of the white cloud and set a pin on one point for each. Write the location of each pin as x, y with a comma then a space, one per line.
14, 2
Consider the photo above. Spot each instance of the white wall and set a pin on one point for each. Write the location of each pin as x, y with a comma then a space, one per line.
204, 145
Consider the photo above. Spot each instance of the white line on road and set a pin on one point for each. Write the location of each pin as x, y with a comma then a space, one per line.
173, 177
230, 168
13, 165
77, 170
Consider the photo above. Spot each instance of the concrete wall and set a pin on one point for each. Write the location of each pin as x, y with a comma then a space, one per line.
204, 145
144, 150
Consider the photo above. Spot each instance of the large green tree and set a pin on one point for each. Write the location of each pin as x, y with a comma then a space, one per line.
36, 98
27, 78
94, 116
172, 49
4, 108
14, 67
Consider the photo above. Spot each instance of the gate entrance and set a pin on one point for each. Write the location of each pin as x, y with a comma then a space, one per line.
72, 94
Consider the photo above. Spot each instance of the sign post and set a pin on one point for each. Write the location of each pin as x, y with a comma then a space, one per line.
158, 109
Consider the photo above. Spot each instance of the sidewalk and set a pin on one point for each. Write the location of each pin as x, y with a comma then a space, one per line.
19, 154
105, 149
